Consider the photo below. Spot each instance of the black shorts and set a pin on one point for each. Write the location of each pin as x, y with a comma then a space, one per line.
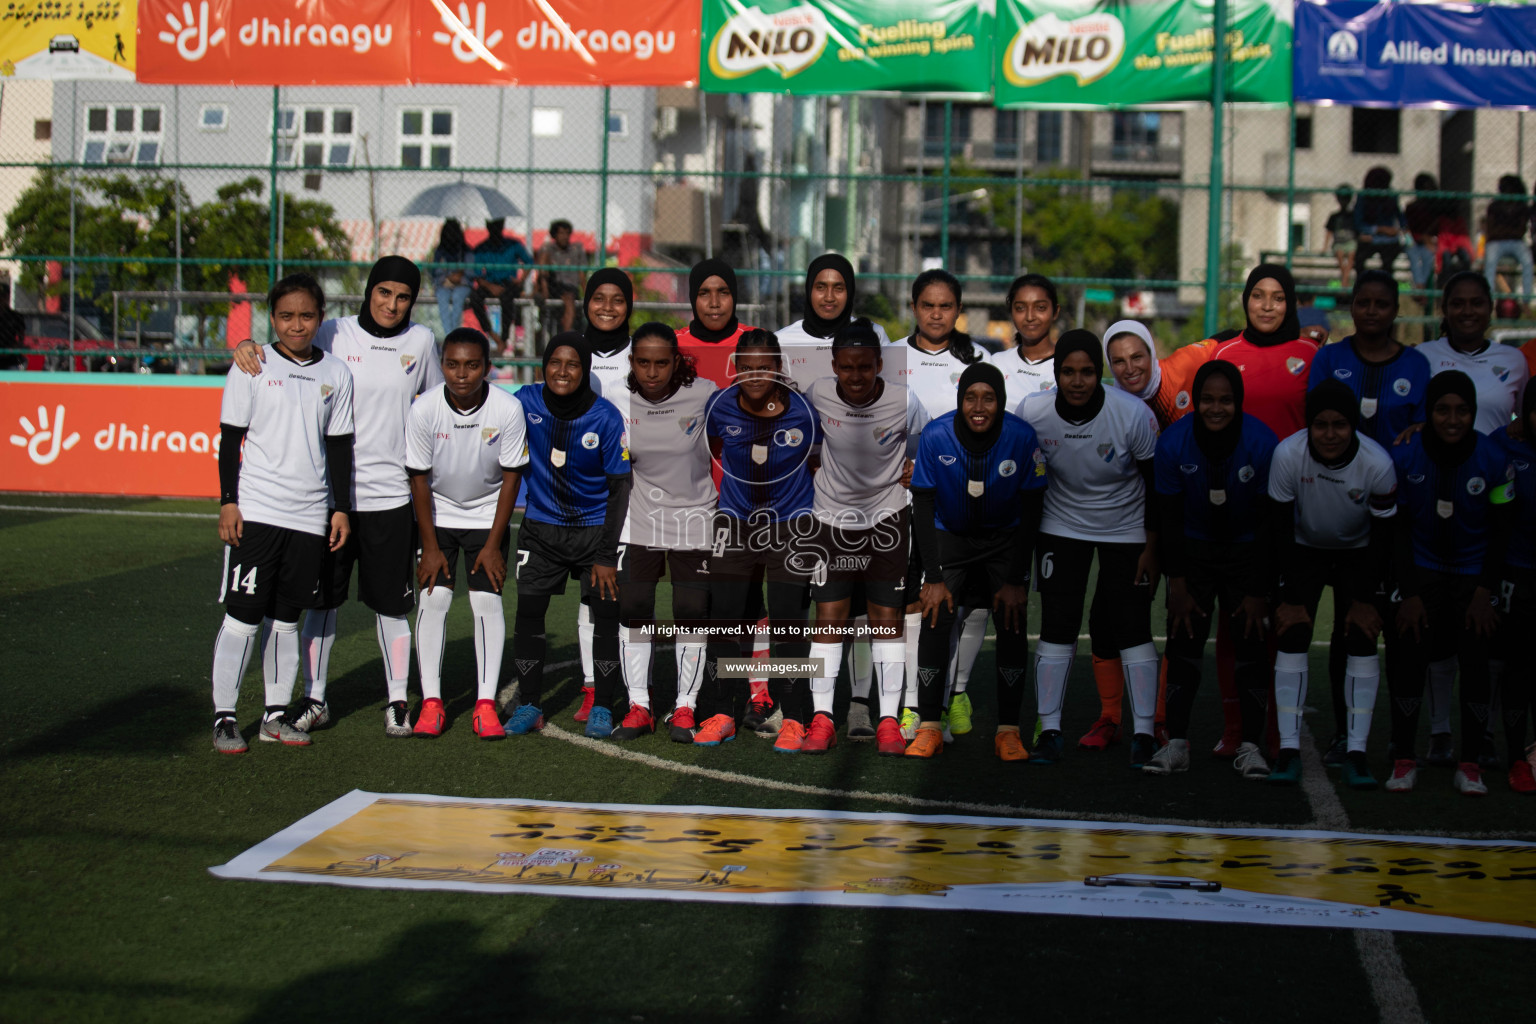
1062, 565
783, 548
383, 547
640, 564
273, 566
548, 555
975, 565
872, 560
1517, 615
1219, 574
1311, 569
470, 541
913, 592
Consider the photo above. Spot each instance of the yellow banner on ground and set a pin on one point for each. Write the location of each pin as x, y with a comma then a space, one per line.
64, 39
1325, 879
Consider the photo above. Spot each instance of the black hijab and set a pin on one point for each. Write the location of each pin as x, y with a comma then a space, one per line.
1218, 445
814, 324
700, 273
401, 271
1451, 382
992, 377
607, 343
1334, 396
1087, 343
1290, 327
571, 406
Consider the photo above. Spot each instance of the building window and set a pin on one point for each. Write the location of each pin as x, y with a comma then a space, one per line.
214, 117
1135, 135
933, 128
42, 129
426, 137
548, 122
318, 137
1005, 132
618, 123
1375, 131
1303, 131
122, 135
1048, 133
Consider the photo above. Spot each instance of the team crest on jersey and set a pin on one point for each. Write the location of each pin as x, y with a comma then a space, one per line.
325, 392
408, 363
884, 434
954, 379
791, 438
1245, 474
1007, 468
1295, 365
1181, 400
489, 435
687, 425
948, 460
1340, 373
1401, 387
1188, 468
1107, 452
534, 417
1509, 471
1476, 485
589, 440
1502, 373
1356, 495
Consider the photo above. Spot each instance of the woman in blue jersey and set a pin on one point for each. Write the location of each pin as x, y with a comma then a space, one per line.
978, 486
577, 486
1389, 381
1454, 498
764, 433
1517, 680
668, 531
1212, 486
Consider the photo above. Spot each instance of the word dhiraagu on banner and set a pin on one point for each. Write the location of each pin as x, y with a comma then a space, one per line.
825, 46
1406, 55
65, 39
1116, 53
392, 42
91, 434
723, 854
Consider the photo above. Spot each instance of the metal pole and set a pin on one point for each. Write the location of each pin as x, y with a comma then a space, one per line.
1290, 193
501, 108
176, 199
949, 113
1018, 194
272, 198
1213, 219
74, 114
602, 192
917, 202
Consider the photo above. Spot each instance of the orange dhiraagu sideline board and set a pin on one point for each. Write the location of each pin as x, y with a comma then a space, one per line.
1323, 879
110, 434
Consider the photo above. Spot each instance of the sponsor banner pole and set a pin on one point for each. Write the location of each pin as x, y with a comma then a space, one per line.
1213, 219
272, 195
602, 188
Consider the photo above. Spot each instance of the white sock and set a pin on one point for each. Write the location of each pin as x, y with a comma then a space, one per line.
232, 651
394, 634
860, 663
635, 656
584, 641
690, 669
889, 657
1442, 681
490, 639
912, 624
280, 662
431, 635
1140, 665
973, 630
1290, 697
822, 686
1362, 674
315, 643
1053, 663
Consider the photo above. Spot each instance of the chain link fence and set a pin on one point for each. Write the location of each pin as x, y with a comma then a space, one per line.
139, 220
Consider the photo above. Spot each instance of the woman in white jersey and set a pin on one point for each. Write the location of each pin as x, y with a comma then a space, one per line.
607, 304
1027, 367
1099, 444
1497, 371
930, 364
392, 361
829, 294
667, 533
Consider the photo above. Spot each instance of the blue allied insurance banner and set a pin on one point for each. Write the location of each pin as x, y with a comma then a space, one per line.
1411, 54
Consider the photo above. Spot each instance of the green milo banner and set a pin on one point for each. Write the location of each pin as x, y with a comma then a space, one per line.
1114, 53
825, 46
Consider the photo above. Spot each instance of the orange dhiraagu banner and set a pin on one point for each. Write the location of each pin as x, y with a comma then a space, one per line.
110, 436
275, 42
556, 42
392, 42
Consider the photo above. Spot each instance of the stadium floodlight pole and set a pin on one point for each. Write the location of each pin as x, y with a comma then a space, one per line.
1213, 215
272, 196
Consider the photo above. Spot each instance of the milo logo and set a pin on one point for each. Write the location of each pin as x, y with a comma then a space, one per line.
787, 42
1088, 47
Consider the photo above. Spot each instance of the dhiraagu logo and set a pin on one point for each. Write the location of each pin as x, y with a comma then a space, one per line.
45, 439
786, 42
1088, 48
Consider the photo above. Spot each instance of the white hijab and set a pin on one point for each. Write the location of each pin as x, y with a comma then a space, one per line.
1135, 327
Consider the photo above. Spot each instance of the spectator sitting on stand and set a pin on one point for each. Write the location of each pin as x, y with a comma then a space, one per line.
499, 263
557, 251
449, 283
